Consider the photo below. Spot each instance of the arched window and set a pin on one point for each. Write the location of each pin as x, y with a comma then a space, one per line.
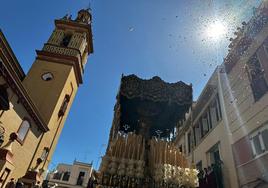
23, 130
66, 40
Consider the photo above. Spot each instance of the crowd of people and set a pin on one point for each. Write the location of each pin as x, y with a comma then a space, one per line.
13, 184
211, 177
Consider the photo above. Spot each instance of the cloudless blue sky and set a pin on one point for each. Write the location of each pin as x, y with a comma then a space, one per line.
145, 37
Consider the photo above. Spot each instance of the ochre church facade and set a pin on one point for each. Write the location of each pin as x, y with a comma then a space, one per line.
34, 106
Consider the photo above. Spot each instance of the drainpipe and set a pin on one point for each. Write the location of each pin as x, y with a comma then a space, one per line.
35, 151
53, 140
49, 147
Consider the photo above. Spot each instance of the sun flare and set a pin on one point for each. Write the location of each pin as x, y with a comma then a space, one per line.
216, 30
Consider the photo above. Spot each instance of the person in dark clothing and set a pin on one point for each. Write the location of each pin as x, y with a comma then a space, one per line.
218, 173
90, 183
45, 184
11, 184
206, 178
95, 184
201, 179
211, 178
19, 185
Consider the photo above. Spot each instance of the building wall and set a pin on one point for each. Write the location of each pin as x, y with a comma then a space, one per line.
25, 154
64, 82
74, 170
11, 121
46, 94
217, 136
245, 114
69, 86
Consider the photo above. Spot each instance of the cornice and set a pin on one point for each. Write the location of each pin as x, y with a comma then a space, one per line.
13, 79
63, 59
9, 53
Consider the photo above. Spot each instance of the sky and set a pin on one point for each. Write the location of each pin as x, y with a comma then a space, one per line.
167, 38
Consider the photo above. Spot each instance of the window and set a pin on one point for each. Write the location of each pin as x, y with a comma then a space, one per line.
266, 47
45, 153
80, 178
66, 176
4, 102
66, 40
64, 105
199, 166
23, 130
4, 176
263, 56
2, 134
257, 78
57, 176
200, 124
215, 112
47, 76
208, 120
214, 155
189, 140
180, 148
257, 145
194, 137
205, 124
264, 135
219, 116
259, 141
197, 130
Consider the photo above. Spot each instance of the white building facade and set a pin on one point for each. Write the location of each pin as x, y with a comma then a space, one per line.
76, 175
229, 121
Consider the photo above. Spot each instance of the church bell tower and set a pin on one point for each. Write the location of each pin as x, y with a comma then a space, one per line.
59, 67
54, 78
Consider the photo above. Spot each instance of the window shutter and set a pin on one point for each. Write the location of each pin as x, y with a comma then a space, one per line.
264, 135
205, 125
213, 116
262, 54
257, 144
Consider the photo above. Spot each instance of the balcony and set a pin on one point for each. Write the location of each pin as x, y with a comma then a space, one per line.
61, 50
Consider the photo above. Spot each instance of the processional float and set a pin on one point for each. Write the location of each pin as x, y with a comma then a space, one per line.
140, 152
